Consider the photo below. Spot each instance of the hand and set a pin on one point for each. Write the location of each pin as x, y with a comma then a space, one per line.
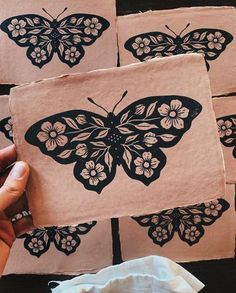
13, 181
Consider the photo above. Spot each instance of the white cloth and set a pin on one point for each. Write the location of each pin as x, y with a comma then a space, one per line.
151, 274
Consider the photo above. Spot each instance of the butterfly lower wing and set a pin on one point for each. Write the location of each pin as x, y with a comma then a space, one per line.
227, 131
6, 128
149, 45
77, 137
77, 31
32, 31
148, 125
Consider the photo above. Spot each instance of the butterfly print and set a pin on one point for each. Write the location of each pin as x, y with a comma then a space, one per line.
188, 222
227, 131
133, 138
208, 42
6, 128
44, 37
65, 239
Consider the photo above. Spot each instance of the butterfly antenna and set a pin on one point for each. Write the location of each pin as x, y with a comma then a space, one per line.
184, 29
124, 94
61, 13
92, 101
47, 13
171, 30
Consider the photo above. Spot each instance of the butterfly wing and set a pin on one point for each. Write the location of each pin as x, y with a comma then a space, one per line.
67, 239
148, 125
149, 45
77, 137
77, 31
188, 222
6, 128
32, 31
227, 131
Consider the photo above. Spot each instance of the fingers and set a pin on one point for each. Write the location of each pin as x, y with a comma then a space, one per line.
14, 185
7, 157
23, 226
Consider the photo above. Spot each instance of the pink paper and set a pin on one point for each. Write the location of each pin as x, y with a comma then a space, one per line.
5, 122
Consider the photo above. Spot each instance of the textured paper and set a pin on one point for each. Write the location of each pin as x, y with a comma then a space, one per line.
203, 18
5, 124
53, 186
225, 109
17, 68
93, 253
217, 242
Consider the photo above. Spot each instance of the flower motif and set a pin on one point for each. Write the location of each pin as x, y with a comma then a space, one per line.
94, 173
155, 219
215, 41
224, 127
146, 164
81, 119
160, 234
36, 245
139, 109
92, 26
81, 150
150, 139
16, 27
36, 20
68, 243
72, 54
192, 233
39, 55
8, 127
33, 40
76, 39
52, 135
141, 46
212, 208
173, 114
197, 219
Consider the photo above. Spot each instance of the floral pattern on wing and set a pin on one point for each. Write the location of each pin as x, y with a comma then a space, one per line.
6, 128
188, 222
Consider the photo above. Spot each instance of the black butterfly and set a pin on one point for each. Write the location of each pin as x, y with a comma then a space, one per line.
66, 37
227, 131
209, 42
6, 128
66, 239
132, 139
188, 222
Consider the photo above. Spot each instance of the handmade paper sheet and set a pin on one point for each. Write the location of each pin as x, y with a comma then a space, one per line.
225, 109
5, 122
159, 141
40, 39
209, 31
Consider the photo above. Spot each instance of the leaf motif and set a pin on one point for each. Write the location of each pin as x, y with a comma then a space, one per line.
159, 49
46, 23
234, 120
145, 220
124, 117
22, 41
63, 23
202, 36
211, 54
102, 133
195, 211
47, 32
79, 21
81, 137
49, 48
181, 228
145, 126
74, 31
45, 237
229, 140
170, 227
167, 137
151, 109
207, 220
95, 154
186, 39
154, 40
124, 130
170, 40
61, 31
172, 48
127, 157
98, 121
185, 47
198, 46
87, 39
130, 138
183, 212
65, 154
71, 122
61, 48
99, 143
138, 147
108, 160
57, 238
30, 22
82, 228
44, 38
35, 31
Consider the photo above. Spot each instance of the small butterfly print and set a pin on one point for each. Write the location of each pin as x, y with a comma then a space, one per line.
208, 42
44, 37
188, 222
6, 128
227, 131
66, 239
133, 138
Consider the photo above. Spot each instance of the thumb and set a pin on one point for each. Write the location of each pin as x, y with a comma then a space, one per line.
14, 185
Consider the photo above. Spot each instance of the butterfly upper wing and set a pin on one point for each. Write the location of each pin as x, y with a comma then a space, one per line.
6, 128
149, 45
77, 31
188, 221
227, 131
79, 137
147, 126
34, 32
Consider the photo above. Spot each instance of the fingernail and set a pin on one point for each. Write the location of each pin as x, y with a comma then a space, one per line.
18, 171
